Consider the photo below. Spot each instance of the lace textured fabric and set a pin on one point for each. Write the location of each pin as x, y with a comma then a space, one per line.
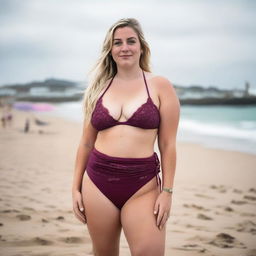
147, 116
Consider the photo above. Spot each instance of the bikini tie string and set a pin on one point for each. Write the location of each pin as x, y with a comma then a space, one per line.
158, 170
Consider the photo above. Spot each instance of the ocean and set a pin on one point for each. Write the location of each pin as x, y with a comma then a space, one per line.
225, 127
221, 127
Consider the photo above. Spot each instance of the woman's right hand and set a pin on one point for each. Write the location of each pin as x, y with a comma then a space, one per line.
78, 207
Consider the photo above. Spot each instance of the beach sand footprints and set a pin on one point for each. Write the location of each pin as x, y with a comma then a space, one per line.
195, 245
220, 188
224, 240
203, 217
204, 196
42, 241
42, 235
251, 252
252, 190
191, 247
23, 217
74, 240
248, 198
233, 205
196, 207
201, 244
246, 226
199, 208
34, 241
39, 241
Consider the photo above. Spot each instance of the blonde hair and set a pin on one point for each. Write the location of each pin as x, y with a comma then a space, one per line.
105, 68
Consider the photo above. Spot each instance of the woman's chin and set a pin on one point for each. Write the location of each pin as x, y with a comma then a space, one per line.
125, 64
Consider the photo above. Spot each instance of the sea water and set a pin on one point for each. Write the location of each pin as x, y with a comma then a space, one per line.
225, 127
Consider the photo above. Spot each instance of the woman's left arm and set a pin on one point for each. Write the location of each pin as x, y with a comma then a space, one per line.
170, 113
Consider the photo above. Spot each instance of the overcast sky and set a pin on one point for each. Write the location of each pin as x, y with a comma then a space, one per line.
192, 41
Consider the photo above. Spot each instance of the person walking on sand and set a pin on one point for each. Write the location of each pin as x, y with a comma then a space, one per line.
9, 116
116, 183
27, 125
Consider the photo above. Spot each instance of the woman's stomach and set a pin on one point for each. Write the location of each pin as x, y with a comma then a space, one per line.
126, 141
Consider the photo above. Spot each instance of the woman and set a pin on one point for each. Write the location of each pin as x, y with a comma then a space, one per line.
116, 180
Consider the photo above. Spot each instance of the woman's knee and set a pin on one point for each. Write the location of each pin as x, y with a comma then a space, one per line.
148, 249
105, 241
107, 249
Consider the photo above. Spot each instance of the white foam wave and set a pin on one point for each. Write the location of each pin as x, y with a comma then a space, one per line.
246, 131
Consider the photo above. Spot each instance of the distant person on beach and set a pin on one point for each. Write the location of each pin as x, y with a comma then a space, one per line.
2, 114
7, 117
3, 121
116, 182
27, 125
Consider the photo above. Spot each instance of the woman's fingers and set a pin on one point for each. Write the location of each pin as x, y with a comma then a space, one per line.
162, 217
159, 217
156, 207
163, 220
80, 205
78, 214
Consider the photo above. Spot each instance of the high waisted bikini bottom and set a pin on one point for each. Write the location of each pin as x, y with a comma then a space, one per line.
119, 178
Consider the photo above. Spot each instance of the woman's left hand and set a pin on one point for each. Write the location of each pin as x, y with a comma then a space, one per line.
162, 208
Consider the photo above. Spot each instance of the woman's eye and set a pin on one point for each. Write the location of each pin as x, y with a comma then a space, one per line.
129, 42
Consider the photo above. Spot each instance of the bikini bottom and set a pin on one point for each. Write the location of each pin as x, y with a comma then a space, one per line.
119, 178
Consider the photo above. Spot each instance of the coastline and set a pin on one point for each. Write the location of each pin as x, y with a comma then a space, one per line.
213, 208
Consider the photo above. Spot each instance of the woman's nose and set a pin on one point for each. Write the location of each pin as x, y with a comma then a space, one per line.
125, 47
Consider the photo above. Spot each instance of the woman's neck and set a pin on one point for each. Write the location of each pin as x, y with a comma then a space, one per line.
129, 74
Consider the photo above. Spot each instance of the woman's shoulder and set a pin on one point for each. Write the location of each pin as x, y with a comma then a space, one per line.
104, 86
159, 82
163, 88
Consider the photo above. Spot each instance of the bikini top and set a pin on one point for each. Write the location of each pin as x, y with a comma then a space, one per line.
147, 116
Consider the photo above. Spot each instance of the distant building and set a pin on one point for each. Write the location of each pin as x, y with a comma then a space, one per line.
246, 89
34, 91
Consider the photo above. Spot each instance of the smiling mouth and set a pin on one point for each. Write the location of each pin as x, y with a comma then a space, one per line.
124, 56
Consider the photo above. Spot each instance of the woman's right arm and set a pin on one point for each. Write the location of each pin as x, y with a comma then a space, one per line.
86, 144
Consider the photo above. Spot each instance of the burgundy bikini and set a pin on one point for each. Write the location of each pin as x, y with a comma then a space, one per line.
147, 116
118, 178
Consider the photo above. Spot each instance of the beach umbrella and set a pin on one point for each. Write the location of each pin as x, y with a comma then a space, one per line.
43, 107
25, 106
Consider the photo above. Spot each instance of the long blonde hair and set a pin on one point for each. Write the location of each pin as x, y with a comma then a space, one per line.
105, 68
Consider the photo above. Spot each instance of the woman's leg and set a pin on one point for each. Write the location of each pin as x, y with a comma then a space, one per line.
139, 222
103, 220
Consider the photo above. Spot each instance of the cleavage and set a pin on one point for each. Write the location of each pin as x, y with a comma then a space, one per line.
119, 111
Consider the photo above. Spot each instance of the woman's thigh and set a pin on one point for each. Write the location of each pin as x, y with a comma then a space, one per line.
103, 219
139, 222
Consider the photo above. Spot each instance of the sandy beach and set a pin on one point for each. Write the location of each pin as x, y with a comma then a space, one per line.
213, 208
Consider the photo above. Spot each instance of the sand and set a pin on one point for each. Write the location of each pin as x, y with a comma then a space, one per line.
213, 208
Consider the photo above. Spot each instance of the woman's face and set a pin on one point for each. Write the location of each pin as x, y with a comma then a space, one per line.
126, 49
